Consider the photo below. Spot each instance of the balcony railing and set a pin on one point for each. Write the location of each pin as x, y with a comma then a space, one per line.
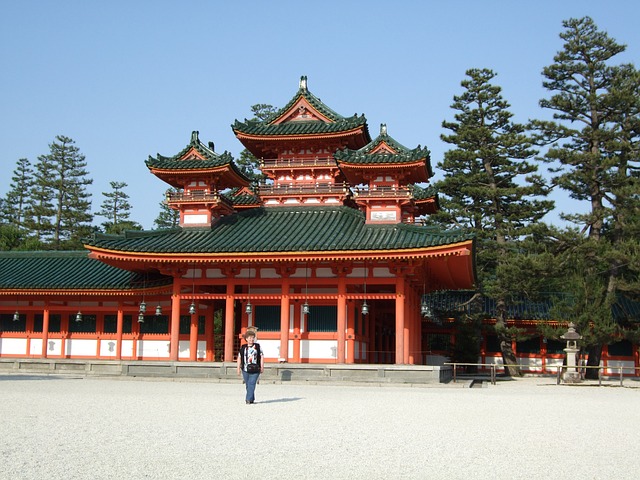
271, 163
382, 192
196, 197
303, 189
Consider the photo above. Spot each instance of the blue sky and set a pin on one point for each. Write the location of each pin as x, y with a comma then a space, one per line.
129, 79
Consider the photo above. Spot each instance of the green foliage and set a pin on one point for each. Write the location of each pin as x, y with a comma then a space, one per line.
248, 163
168, 217
62, 205
468, 340
593, 148
489, 186
13, 208
218, 332
117, 209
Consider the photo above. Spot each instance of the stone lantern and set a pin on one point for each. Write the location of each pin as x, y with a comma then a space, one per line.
571, 375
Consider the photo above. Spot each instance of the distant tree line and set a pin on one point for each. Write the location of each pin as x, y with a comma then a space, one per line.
491, 187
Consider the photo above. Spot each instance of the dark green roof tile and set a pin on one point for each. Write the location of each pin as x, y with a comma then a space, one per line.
298, 128
282, 230
337, 122
364, 155
420, 193
210, 159
67, 270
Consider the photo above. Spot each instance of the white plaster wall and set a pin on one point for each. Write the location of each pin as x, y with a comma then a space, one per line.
195, 219
154, 348
127, 348
80, 347
554, 363
36, 347
531, 364
319, 349
54, 346
494, 360
13, 346
270, 348
184, 349
108, 348
612, 370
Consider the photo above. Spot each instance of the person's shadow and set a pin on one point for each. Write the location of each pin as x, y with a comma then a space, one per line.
281, 400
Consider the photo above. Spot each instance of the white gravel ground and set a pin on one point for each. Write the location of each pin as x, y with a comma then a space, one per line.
97, 428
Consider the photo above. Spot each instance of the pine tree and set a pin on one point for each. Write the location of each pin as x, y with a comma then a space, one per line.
168, 217
62, 205
490, 188
117, 209
594, 147
16, 201
248, 163
41, 211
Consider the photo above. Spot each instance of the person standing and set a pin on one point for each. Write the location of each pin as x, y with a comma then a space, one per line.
250, 364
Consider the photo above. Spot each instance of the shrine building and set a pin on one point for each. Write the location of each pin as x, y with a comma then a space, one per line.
325, 257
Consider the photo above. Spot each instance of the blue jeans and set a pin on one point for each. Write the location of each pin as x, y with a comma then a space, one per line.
250, 380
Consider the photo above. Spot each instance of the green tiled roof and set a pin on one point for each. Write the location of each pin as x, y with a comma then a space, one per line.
403, 155
338, 123
241, 198
251, 127
66, 270
386, 138
210, 158
420, 193
283, 230
314, 101
522, 308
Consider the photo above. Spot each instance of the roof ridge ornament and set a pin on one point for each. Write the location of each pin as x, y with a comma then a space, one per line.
383, 129
194, 136
303, 83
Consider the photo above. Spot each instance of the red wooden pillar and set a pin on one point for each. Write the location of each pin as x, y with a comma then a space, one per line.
409, 328
45, 331
297, 320
351, 334
64, 334
119, 329
285, 303
228, 322
193, 337
174, 339
400, 304
342, 321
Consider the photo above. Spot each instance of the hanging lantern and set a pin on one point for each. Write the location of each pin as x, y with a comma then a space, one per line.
143, 307
79, 316
140, 317
425, 310
305, 308
365, 308
16, 316
248, 308
158, 310
192, 308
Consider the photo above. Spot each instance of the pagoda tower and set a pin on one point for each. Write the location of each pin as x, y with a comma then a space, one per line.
198, 176
384, 174
312, 155
296, 146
